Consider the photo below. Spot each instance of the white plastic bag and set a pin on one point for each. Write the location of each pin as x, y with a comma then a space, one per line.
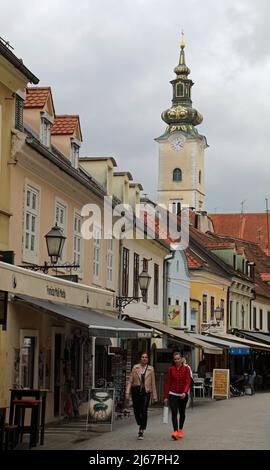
165, 415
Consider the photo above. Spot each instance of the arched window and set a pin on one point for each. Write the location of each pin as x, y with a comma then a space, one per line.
200, 177
179, 89
177, 174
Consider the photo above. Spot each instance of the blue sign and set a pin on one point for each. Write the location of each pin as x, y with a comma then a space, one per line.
239, 351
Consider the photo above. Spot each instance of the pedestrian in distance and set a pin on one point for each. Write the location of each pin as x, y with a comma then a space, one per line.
142, 385
176, 393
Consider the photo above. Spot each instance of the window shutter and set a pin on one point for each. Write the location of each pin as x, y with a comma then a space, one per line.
19, 113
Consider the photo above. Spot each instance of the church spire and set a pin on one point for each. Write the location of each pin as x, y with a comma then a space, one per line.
182, 116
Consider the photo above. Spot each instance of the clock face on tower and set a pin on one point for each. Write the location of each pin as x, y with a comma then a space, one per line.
177, 142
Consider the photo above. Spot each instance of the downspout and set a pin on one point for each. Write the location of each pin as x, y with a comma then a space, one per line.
228, 311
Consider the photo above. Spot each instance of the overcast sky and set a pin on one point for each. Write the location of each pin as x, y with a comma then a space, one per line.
111, 62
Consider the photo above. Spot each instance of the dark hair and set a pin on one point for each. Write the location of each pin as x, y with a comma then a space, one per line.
144, 352
177, 353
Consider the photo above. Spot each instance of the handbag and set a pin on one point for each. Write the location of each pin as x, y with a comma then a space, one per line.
165, 417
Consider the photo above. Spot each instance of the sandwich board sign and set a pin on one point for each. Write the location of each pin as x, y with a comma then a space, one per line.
100, 409
221, 383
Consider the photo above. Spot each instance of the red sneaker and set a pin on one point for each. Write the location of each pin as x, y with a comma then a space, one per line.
175, 435
180, 433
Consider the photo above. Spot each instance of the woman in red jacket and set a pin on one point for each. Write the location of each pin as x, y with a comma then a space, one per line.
176, 393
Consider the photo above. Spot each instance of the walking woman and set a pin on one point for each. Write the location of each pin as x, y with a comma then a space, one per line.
176, 393
141, 384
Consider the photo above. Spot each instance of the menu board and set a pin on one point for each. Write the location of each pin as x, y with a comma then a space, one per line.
221, 383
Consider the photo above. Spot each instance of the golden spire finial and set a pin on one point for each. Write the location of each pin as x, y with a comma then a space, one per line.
182, 43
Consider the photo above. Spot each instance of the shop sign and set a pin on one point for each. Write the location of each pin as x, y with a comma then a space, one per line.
56, 292
221, 383
144, 334
3, 307
100, 408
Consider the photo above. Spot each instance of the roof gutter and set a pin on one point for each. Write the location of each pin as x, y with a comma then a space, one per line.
18, 64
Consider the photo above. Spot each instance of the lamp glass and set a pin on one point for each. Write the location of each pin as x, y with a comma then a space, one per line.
55, 241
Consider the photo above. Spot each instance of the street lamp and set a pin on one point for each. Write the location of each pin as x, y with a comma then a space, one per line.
144, 280
55, 240
218, 314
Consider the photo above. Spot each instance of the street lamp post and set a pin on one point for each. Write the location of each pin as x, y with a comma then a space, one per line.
55, 240
121, 302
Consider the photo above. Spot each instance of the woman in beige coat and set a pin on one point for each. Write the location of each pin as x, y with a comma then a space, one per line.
141, 384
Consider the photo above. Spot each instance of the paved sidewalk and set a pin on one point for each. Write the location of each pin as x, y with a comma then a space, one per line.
237, 423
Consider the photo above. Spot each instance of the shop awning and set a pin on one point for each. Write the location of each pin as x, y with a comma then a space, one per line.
242, 341
99, 324
235, 349
181, 336
256, 336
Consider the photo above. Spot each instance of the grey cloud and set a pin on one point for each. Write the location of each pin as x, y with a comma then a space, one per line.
111, 62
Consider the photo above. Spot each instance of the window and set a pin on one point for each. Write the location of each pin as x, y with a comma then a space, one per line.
254, 317
77, 240
243, 318
234, 261
185, 313
156, 283
19, 113
96, 252
176, 207
177, 174
268, 321
231, 313
169, 301
75, 155
136, 267
125, 272
179, 90
222, 303
261, 319
45, 136
200, 177
237, 315
60, 219
212, 308
29, 347
204, 309
145, 268
110, 261
31, 224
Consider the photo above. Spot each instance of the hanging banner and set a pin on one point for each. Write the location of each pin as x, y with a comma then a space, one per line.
221, 383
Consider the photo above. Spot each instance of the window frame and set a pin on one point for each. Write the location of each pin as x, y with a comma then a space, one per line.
110, 260
125, 271
31, 256
97, 233
177, 175
156, 284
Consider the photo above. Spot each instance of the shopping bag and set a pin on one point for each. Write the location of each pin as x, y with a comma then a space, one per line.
165, 415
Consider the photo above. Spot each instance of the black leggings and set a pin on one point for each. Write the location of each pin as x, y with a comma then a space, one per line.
178, 404
140, 407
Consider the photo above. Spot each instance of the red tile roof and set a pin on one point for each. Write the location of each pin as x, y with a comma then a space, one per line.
192, 260
36, 97
251, 227
65, 125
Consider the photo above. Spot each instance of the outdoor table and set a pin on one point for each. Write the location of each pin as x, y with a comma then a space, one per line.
37, 394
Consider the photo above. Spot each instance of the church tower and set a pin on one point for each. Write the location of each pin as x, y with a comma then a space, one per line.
181, 147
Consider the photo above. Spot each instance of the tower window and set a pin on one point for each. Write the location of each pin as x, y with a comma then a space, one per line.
177, 174
200, 177
179, 89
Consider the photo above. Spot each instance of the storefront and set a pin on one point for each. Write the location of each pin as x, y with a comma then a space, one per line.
52, 331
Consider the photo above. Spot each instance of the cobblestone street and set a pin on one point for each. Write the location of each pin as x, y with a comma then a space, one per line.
238, 423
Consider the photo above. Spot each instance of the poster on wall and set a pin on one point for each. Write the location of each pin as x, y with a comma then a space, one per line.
174, 316
100, 408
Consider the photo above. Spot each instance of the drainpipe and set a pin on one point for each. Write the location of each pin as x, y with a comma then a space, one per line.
228, 310
93, 361
165, 285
